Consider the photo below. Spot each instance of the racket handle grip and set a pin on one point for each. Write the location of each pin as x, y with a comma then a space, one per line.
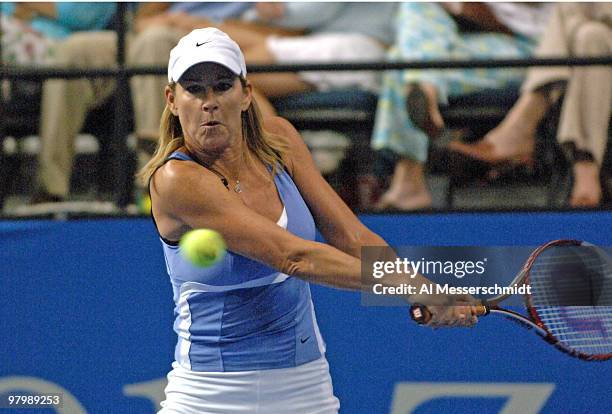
421, 315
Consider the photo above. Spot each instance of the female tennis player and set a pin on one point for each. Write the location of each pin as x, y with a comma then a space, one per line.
248, 339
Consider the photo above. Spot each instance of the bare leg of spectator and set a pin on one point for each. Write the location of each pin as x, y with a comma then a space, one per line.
585, 115
251, 35
515, 136
513, 139
586, 191
272, 84
408, 189
252, 40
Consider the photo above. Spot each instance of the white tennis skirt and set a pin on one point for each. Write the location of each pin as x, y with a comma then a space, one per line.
305, 389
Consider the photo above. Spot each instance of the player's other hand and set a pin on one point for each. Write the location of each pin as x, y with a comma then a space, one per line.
451, 311
457, 315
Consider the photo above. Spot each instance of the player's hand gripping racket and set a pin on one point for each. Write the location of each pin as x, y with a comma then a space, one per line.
570, 304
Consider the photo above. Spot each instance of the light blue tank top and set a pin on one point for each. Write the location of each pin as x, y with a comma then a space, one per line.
241, 315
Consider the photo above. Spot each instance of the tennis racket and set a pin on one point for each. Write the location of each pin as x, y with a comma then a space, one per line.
570, 305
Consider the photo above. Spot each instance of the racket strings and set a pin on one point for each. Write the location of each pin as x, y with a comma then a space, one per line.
584, 329
568, 292
571, 297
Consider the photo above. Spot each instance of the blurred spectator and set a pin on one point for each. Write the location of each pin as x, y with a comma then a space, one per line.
30, 31
334, 32
575, 29
337, 31
66, 103
408, 113
159, 29
272, 33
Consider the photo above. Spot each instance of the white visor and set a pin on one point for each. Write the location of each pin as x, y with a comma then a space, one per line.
205, 45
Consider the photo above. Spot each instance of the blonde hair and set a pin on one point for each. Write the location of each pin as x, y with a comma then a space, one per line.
268, 148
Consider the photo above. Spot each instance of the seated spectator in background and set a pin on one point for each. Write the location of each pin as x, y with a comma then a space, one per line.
578, 30
158, 28
272, 33
408, 112
334, 32
29, 32
330, 32
337, 31
66, 102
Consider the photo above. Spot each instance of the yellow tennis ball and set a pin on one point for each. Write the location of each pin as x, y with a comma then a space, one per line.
144, 204
202, 247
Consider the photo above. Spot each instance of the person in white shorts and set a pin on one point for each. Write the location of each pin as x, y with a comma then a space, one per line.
333, 32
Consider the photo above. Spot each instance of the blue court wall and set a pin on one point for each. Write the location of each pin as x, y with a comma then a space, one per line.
86, 310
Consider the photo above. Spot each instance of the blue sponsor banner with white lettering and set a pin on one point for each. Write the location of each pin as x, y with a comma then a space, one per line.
86, 311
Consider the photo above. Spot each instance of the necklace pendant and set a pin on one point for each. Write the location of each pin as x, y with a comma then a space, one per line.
237, 187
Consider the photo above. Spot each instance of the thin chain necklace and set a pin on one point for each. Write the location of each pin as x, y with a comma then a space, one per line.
237, 186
